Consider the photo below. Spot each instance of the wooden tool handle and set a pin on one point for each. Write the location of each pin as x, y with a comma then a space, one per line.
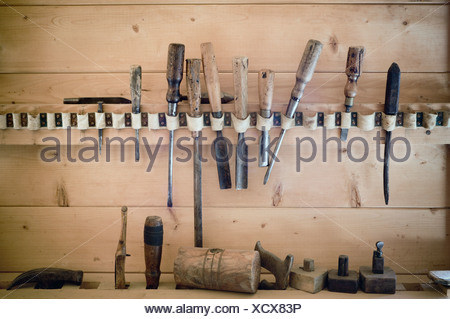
355, 58
265, 89
175, 59
240, 74
193, 85
135, 87
306, 67
121, 253
153, 240
211, 76
392, 90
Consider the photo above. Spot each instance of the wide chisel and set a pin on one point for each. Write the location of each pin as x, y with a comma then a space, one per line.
175, 60
265, 89
213, 87
193, 67
240, 75
390, 108
135, 88
355, 58
304, 74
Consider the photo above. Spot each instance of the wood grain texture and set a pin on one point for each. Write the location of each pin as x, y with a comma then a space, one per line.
74, 38
85, 238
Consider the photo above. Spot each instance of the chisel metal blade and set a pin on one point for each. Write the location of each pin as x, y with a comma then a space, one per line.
241, 163
222, 160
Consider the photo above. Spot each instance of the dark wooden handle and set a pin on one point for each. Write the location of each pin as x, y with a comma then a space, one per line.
153, 240
392, 90
135, 87
265, 88
240, 75
193, 67
306, 67
175, 59
355, 58
211, 76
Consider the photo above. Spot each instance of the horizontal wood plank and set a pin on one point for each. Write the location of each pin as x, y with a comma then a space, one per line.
323, 88
153, 2
86, 238
420, 181
105, 39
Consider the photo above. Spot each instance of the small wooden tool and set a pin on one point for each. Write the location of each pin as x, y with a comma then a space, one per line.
342, 279
308, 278
153, 240
378, 279
121, 254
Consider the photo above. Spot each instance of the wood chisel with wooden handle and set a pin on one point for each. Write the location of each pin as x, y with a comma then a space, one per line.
390, 108
175, 60
135, 88
193, 67
214, 93
304, 74
265, 89
355, 58
240, 75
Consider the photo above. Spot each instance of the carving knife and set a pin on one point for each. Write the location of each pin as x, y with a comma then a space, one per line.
213, 87
193, 67
240, 75
390, 108
265, 89
135, 87
355, 58
175, 60
304, 74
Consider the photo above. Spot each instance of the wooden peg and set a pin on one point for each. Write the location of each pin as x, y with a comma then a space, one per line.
309, 278
342, 279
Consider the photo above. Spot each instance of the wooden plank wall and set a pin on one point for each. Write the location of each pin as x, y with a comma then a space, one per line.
67, 213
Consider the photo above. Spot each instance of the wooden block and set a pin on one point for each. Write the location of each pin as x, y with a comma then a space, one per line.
310, 281
348, 284
384, 283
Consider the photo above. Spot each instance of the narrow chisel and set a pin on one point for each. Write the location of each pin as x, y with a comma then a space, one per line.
175, 60
390, 108
353, 71
304, 74
213, 87
240, 75
193, 67
265, 89
135, 87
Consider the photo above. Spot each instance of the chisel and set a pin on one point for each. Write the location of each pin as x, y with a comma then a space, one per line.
175, 60
240, 75
193, 67
353, 71
213, 87
135, 88
390, 108
304, 74
265, 89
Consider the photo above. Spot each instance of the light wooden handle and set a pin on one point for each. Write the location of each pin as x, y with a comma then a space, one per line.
135, 88
175, 59
240, 74
211, 76
265, 89
193, 85
354, 63
306, 67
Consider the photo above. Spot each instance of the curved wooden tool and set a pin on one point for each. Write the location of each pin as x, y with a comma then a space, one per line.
121, 253
280, 269
47, 278
153, 240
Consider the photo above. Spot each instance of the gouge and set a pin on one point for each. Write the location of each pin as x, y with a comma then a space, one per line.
265, 89
175, 60
390, 108
353, 71
153, 240
213, 87
193, 67
304, 74
135, 88
240, 75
